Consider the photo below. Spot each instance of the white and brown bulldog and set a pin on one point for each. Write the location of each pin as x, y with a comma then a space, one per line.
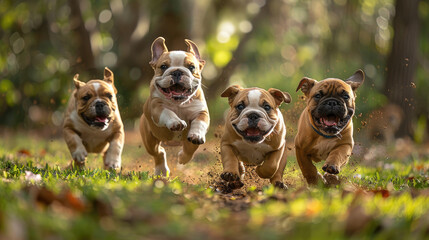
92, 123
255, 134
176, 108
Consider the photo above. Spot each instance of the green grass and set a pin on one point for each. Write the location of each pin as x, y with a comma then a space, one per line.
387, 201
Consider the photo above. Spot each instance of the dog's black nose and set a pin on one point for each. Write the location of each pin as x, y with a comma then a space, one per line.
331, 103
253, 116
99, 106
176, 75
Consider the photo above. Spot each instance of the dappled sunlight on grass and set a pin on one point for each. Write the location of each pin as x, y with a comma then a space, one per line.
41, 195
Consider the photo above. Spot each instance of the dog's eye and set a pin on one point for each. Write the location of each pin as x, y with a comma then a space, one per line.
346, 97
240, 107
109, 96
163, 67
191, 68
318, 96
86, 97
267, 107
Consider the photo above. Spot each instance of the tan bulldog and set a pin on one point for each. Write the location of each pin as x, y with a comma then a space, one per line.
325, 128
92, 123
176, 108
255, 134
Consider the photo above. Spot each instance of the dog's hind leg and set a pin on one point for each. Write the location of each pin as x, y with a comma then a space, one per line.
309, 171
277, 179
154, 148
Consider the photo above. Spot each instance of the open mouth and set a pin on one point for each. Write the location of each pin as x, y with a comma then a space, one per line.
98, 121
331, 123
252, 134
176, 92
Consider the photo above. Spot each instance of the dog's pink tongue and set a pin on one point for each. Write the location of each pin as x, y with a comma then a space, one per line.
252, 132
100, 119
330, 121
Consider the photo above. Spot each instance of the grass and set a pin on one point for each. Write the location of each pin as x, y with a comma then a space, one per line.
41, 198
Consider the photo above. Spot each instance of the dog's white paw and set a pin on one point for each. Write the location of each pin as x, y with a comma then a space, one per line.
80, 154
112, 163
162, 170
176, 125
196, 138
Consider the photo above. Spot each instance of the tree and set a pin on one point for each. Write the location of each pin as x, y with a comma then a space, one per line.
402, 62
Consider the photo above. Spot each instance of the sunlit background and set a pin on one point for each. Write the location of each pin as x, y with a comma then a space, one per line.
251, 43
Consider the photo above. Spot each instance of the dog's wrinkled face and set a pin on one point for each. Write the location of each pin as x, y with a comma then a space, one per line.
331, 102
96, 100
254, 112
177, 73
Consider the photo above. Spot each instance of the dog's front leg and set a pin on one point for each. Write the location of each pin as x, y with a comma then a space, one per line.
196, 136
338, 157
230, 164
164, 117
198, 129
76, 147
112, 157
270, 165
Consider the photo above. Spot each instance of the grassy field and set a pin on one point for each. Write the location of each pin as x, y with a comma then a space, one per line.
386, 197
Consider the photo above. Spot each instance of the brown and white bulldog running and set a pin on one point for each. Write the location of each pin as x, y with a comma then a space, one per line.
255, 134
325, 128
92, 123
176, 108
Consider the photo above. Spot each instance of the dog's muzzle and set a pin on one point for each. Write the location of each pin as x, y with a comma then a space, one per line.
332, 115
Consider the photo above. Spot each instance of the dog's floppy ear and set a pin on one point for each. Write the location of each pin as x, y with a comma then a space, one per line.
158, 48
192, 48
305, 85
280, 96
356, 79
108, 75
78, 84
231, 92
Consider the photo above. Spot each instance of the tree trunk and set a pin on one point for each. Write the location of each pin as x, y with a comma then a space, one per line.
84, 56
402, 62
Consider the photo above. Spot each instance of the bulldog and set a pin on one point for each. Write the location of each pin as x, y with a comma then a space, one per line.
92, 123
384, 122
176, 108
255, 134
325, 127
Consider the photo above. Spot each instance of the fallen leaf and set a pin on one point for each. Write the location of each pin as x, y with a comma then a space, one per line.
24, 152
69, 200
44, 196
384, 192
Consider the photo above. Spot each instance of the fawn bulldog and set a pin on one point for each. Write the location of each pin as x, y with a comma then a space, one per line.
255, 134
325, 127
176, 108
92, 123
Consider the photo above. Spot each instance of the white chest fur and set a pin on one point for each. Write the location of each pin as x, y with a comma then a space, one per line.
188, 111
253, 154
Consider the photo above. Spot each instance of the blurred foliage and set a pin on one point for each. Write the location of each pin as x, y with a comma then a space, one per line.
318, 39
